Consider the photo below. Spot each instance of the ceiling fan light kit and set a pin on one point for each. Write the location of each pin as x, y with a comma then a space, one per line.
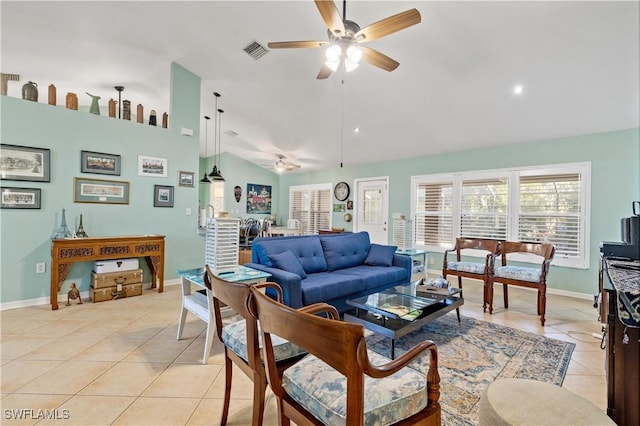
346, 35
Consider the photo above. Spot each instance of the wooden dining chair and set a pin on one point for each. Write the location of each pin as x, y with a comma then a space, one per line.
524, 276
469, 269
341, 381
241, 340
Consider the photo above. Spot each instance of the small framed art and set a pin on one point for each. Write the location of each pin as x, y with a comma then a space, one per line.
100, 163
24, 163
20, 198
162, 196
152, 166
186, 179
99, 191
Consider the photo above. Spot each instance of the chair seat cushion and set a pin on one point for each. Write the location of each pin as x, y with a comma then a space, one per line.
470, 267
322, 391
234, 337
519, 273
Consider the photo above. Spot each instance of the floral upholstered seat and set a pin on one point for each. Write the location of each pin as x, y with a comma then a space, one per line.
471, 267
234, 337
520, 273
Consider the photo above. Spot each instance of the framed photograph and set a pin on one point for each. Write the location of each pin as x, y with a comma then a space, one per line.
186, 179
24, 163
258, 198
100, 163
20, 198
152, 166
100, 191
162, 196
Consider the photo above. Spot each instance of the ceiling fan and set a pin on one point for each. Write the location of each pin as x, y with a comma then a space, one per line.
281, 166
346, 37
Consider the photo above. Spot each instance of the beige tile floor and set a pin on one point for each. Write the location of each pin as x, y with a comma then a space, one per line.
119, 363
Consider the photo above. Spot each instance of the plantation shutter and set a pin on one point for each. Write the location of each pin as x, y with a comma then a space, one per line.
434, 214
483, 209
311, 205
550, 211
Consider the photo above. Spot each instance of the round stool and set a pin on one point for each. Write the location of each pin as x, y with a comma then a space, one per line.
529, 402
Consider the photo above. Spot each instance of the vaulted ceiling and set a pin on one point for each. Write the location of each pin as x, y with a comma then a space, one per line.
577, 62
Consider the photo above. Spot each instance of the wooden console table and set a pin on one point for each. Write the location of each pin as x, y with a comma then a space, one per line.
65, 252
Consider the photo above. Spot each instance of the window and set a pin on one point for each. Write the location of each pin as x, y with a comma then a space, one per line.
216, 196
311, 205
538, 204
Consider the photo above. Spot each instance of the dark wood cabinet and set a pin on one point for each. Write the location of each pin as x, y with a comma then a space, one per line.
622, 359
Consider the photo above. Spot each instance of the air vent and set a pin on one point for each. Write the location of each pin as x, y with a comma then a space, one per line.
255, 50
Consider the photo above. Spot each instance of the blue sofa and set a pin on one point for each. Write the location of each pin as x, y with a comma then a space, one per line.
329, 268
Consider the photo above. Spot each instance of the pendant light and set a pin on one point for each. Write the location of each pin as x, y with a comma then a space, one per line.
218, 176
215, 174
205, 179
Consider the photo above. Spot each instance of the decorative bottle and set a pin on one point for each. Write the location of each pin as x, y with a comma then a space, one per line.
52, 95
30, 91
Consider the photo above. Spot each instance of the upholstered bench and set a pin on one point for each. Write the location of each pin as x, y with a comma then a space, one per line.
529, 402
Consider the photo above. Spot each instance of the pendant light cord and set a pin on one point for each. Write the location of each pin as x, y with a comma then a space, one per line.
342, 128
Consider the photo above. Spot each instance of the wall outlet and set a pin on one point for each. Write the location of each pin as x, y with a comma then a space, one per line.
41, 268
188, 211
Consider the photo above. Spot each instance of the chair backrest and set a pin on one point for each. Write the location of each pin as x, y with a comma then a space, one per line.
235, 296
544, 250
339, 344
492, 246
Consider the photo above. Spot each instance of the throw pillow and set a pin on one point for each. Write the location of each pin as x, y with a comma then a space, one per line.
288, 262
380, 255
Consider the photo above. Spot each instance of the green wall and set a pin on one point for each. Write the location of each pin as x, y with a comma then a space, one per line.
26, 234
615, 183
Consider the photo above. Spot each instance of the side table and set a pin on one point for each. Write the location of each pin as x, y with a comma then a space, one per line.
200, 302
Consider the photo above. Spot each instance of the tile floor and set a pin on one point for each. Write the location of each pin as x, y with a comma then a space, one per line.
118, 362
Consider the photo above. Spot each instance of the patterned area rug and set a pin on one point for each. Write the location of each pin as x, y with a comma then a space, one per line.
474, 353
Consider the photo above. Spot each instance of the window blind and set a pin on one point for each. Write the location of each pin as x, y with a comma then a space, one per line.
311, 205
483, 209
434, 214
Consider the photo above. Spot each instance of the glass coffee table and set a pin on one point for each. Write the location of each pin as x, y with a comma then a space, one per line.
400, 310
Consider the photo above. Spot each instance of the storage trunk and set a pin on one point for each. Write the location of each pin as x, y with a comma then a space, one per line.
115, 265
112, 279
117, 292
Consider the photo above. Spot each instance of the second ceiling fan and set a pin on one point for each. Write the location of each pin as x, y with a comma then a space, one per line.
346, 38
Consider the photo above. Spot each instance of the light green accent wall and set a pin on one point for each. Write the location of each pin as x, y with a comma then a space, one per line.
615, 183
26, 234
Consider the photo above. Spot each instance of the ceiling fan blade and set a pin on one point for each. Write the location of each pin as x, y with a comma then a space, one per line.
325, 72
389, 25
296, 44
378, 59
331, 16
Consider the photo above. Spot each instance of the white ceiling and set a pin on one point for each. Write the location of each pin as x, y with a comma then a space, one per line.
578, 62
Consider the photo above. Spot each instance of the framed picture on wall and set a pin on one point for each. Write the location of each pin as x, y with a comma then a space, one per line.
100, 163
152, 166
100, 191
24, 163
162, 196
20, 198
258, 198
186, 179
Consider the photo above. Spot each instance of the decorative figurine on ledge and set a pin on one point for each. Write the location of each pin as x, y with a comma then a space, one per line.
74, 294
94, 108
63, 230
80, 233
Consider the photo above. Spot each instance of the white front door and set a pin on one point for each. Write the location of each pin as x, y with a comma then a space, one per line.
371, 208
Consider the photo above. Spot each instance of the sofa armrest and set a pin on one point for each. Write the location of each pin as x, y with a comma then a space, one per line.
290, 283
405, 262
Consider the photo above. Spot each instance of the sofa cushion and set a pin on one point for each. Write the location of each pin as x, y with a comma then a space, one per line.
323, 286
380, 255
288, 262
376, 276
345, 250
307, 248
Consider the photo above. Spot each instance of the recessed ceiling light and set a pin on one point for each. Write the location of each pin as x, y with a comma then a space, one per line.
356, 130
518, 90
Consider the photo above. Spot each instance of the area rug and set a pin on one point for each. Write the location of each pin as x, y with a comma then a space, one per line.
474, 353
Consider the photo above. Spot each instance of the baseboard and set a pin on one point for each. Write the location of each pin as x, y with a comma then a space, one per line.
62, 297
557, 292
